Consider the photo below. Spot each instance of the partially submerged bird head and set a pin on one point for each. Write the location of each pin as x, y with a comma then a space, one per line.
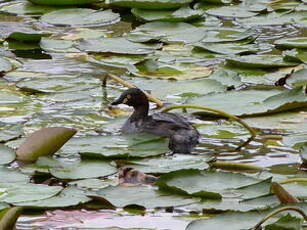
132, 97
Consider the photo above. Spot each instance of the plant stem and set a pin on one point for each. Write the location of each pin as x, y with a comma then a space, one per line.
232, 117
300, 211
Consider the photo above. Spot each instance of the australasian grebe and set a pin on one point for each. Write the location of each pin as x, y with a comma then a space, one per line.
183, 136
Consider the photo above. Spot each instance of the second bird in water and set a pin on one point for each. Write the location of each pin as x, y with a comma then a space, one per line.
183, 136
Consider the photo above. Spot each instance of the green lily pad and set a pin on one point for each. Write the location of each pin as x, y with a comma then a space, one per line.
233, 48
231, 11
7, 155
169, 32
214, 185
229, 34
45, 141
150, 4
184, 13
296, 42
28, 35
298, 78
259, 61
9, 132
295, 55
3, 206
135, 145
62, 3
95, 183
80, 17
25, 8
19, 192
5, 65
82, 170
252, 102
70, 196
118, 45
61, 46
297, 189
222, 130
147, 197
12, 176
296, 140
170, 163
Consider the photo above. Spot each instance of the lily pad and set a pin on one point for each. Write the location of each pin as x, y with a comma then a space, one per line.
12, 176
184, 13
214, 185
7, 155
233, 48
28, 36
70, 196
169, 32
62, 3
150, 4
118, 45
260, 61
296, 42
295, 55
170, 163
5, 65
80, 17
61, 46
298, 78
19, 192
252, 102
135, 145
45, 141
231, 11
3, 206
82, 170
147, 197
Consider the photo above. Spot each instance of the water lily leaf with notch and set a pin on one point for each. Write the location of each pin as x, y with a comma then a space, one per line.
80, 17
70, 196
296, 42
7, 154
260, 61
118, 45
12, 176
170, 163
150, 4
253, 102
19, 192
184, 13
134, 145
169, 32
148, 197
25, 8
62, 2
212, 185
153, 69
231, 11
45, 141
233, 48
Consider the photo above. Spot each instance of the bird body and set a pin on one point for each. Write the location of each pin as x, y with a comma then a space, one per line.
183, 136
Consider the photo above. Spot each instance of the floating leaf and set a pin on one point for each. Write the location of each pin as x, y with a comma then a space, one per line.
136, 145
12, 176
5, 65
45, 141
231, 11
296, 42
18, 192
298, 78
252, 102
115, 45
170, 163
259, 61
28, 36
70, 196
233, 48
150, 4
295, 55
62, 2
7, 154
80, 17
147, 197
52, 45
183, 14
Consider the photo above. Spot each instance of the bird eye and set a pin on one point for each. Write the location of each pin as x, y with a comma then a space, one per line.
128, 96
125, 100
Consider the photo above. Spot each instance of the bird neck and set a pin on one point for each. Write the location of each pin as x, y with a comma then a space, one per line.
140, 111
